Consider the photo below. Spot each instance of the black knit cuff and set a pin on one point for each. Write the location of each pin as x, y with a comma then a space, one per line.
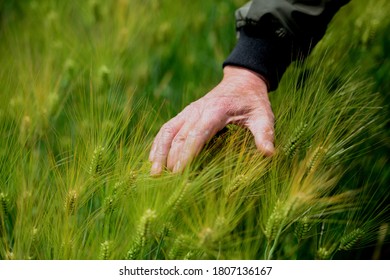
260, 53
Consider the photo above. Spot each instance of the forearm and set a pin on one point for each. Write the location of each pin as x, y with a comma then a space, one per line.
274, 33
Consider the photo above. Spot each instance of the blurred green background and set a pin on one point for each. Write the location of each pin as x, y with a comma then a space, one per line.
150, 58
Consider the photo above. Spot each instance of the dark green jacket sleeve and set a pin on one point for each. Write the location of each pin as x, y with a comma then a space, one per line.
273, 33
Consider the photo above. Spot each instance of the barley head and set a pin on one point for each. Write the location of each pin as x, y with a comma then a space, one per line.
9, 255
69, 67
34, 243
110, 204
127, 186
206, 237
177, 197
324, 253
4, 201
71, 202
34, 234
315, 157
145, 226
277, 219
348, 241
105, 250
143, 234
104, 75
25, 130
239, 182
96, 166
295, 141
302, 228
188, 256
179, 247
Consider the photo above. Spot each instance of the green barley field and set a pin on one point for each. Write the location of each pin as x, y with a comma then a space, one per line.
86, 85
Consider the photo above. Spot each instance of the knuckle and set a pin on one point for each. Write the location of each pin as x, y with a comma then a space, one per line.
269, 131
168, 129
160, 154
194, 134
179, 139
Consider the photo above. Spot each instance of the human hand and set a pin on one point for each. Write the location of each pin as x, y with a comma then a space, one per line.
240, 98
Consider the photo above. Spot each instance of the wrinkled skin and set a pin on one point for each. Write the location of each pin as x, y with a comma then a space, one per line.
240, 98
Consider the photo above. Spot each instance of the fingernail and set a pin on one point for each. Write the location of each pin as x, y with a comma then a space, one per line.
156, 169
177, 167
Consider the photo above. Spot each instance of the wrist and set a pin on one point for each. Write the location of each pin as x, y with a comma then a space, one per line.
261, 53
245, 78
